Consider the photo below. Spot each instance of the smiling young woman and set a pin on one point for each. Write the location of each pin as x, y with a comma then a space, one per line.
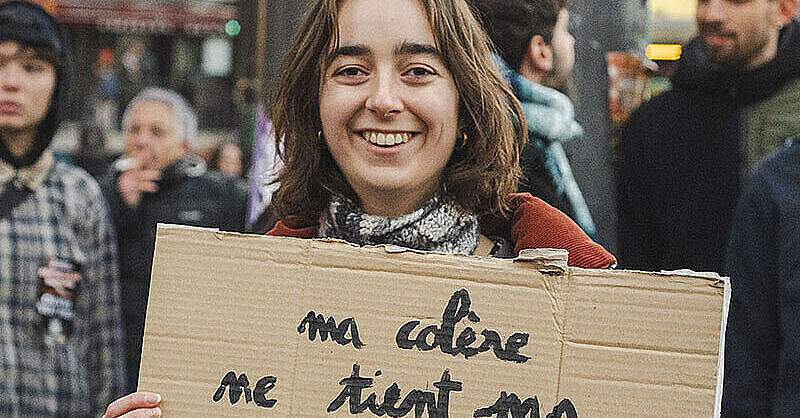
419, 68
396, 128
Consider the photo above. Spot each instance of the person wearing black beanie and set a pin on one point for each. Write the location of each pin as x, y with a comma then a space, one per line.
30, 26
60, 328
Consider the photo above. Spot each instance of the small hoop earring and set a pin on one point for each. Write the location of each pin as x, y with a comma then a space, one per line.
319, 135
464, 139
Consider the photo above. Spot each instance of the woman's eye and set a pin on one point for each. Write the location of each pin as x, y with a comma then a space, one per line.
349, 72
420, 72
33, 67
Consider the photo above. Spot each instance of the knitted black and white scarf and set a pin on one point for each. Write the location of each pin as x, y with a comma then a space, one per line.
439, 226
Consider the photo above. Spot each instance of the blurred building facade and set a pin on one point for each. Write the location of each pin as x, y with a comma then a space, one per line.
123, 45
672, 21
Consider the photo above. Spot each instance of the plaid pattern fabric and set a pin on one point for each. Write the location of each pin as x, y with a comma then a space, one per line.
65, 218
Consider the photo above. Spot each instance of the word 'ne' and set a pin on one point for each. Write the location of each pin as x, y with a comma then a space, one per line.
242, 385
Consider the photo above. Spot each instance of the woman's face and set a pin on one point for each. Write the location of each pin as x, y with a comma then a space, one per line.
389, 105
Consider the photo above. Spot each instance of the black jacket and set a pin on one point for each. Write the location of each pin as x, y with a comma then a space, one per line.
684, 152
188, 195
762, 343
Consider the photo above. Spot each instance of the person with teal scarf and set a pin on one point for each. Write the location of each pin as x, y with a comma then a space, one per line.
536, 56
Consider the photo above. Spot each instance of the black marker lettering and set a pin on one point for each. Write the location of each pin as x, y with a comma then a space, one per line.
353, 386
510, 404
390, 398
491, 339
445, 386
317, 324
564, 408
235, 388
264, 385
417, 400
422, 338
402, 335
464, 340
457, 309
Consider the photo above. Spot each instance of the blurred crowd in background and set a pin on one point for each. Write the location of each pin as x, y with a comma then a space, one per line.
647, 124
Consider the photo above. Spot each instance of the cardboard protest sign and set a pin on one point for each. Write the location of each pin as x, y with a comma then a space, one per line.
242, 325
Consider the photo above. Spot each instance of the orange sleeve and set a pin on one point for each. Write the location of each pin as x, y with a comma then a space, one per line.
282, 230
539, 225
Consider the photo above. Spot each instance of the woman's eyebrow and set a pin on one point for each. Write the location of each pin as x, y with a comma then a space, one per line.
351, 51
21, 54
406, 48
414, 48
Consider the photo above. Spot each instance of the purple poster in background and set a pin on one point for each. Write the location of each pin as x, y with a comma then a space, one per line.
264, 168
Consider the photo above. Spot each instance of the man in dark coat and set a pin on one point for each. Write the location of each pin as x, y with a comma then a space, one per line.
735, 98
158, 180
762, 343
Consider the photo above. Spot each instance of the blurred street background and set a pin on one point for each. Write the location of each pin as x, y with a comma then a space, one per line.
223, 56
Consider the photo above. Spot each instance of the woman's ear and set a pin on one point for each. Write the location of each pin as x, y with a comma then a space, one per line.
787, 10
540, 55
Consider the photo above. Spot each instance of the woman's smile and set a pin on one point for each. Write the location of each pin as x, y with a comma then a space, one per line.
386, 139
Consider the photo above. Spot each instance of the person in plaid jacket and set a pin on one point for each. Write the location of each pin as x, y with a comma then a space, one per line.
61, 344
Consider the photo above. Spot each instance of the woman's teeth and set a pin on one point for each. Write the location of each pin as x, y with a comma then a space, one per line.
387, 140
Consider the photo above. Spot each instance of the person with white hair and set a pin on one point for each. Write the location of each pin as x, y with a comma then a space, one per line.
157, 180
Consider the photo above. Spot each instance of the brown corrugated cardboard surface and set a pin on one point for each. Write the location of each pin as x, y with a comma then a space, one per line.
614, 343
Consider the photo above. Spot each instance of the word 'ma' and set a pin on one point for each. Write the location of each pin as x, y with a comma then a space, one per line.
418, 400
506, 404
242, 385
457, 309
318, 325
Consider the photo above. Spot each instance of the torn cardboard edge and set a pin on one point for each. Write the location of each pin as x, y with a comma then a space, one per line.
726, 302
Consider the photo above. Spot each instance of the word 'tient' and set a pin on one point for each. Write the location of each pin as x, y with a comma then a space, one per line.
417, 400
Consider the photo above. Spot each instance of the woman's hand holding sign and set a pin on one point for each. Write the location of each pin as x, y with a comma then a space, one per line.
135, 405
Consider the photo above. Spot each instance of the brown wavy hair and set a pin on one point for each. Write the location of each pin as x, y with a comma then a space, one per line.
479, 175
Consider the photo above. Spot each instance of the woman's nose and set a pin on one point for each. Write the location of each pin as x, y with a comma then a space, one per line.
385, 97
10, 77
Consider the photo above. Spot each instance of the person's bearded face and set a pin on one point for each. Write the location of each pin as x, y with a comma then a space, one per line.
738, 33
